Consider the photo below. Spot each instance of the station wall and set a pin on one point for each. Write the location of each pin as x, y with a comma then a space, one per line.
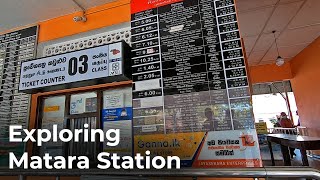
97, 17
270, 73
305, 84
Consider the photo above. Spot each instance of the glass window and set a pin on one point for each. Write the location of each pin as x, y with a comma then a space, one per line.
83, 103
53, 114
117, 114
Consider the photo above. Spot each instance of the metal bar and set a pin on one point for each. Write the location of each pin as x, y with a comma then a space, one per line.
288, 172
268, 172
80, 6
271, 153
278, 91
21, 177
289, 107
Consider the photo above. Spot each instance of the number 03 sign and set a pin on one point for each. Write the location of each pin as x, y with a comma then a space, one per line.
80, 68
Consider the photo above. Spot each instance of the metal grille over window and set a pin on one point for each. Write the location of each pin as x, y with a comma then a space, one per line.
82, 148
15, 47
272, 88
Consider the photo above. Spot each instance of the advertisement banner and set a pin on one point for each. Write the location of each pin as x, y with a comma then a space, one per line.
238, 149
184, 145
205, 150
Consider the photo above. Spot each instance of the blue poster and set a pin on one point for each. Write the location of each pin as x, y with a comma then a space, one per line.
117, 114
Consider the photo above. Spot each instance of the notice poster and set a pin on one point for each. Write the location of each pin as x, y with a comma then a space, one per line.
117, 114
117, 105
83, 103
190, 76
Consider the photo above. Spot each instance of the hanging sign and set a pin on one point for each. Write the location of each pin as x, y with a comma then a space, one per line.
95, 65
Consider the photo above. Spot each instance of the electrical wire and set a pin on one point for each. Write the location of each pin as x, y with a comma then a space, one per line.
275, 41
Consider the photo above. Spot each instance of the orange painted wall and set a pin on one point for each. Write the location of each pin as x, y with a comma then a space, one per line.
97, 17
270, 73
119, 12
305, 83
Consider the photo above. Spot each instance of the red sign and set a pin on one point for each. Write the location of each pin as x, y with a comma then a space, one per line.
115, 51
142, 5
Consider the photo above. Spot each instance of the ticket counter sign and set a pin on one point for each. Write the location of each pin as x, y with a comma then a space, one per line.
80, 68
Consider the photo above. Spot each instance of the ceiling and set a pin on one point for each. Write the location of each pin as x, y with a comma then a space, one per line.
296, 22
17, 13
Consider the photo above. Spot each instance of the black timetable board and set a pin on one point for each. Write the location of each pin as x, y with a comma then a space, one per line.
15, 47
188, 67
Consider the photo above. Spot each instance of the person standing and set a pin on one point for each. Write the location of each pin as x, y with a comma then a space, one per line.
285, 122
298, 118
209, 122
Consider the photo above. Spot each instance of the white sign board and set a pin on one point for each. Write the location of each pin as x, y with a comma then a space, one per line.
88, 64
234, 148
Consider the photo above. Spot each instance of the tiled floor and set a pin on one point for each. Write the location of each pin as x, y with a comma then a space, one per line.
296, 161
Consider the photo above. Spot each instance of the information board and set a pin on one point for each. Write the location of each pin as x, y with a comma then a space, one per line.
79, 66
15, 47
189, 72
